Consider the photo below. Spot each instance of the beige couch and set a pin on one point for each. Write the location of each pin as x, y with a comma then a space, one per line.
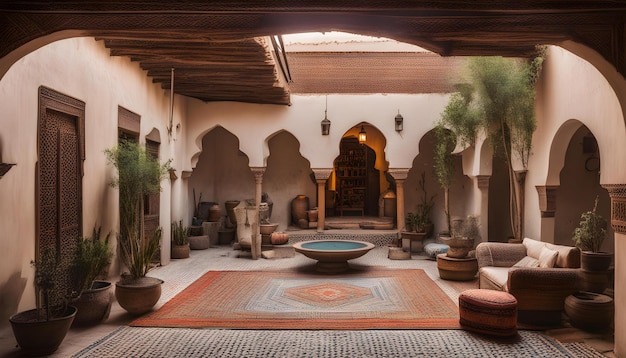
540, 276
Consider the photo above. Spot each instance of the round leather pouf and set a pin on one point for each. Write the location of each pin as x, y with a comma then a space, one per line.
488, 311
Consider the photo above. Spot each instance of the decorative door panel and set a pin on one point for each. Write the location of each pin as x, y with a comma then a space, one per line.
60, 178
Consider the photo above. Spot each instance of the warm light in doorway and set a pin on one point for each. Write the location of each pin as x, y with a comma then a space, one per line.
362, 135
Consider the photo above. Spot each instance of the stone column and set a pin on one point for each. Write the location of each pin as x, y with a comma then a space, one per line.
482, 183
399, 175
547, 206
255, 245
321, 176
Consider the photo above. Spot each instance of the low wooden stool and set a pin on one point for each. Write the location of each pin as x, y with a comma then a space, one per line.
488, 311
454, 269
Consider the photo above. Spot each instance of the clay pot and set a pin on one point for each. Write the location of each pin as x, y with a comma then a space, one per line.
312, 214
279, 238
180, 251
138, 296
595, 261
299, 207
267, 229
590, 311
215, 212
93, 304
40, 337
459, 246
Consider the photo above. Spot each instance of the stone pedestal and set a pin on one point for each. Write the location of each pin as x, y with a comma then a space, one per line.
211, 229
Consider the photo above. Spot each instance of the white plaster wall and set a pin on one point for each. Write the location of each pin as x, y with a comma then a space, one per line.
571, 88
253, 124
80, 68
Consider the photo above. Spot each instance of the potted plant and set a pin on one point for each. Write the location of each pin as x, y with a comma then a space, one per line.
41, 331
180, 240
93, 256
588, 237
498, 102
463, 236
139, 175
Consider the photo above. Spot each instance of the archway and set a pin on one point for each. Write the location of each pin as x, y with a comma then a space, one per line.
359, 173
579, 185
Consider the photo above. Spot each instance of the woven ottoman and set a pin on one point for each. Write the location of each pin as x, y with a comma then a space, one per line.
488, 311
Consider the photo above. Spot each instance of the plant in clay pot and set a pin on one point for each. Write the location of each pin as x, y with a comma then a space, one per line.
139, 175
41, 331
420, 220
93, 256
588, 237
180, 240
464, 234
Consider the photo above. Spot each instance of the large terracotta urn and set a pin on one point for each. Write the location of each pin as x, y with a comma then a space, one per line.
299, 208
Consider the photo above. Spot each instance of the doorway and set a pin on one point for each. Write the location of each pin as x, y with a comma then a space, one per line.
59, 180
357, 185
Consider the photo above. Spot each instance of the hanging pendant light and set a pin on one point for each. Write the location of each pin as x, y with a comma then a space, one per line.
362, 135
326, 122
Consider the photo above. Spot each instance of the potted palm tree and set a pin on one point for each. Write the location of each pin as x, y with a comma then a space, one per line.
41, 331
139, 175
180, 240
588, 237
93, 256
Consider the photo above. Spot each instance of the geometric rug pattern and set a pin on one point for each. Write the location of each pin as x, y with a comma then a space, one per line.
369, 299
185, 342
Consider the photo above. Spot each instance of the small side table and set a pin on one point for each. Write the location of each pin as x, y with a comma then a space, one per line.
463, 269
412, 241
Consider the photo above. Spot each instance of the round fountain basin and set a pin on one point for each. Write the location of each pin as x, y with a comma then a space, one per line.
333, 255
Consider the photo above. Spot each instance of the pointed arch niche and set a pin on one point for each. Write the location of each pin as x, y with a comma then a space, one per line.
222, 171
578, 183
359, 175
287, 175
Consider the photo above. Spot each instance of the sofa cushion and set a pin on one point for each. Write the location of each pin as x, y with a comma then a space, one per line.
547, 257
495, 278
533, 247
527, 261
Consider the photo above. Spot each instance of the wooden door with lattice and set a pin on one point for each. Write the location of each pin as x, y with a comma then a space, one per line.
60, 180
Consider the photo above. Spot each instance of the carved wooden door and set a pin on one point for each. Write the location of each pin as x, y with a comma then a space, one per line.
60, 178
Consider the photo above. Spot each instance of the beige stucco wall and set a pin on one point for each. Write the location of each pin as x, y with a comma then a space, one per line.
572, 92
570, 89
80, 68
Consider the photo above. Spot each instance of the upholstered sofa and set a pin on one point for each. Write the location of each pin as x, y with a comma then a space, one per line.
540, 275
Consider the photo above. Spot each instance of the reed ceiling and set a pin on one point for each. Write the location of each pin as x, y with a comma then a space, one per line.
220, 51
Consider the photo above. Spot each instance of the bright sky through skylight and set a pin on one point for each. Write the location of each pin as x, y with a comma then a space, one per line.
342, 41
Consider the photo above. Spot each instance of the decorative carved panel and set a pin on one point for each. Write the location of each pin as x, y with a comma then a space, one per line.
617, 192
59, 178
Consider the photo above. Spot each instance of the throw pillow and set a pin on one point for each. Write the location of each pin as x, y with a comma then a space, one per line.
547, 257
527, 261
533, 247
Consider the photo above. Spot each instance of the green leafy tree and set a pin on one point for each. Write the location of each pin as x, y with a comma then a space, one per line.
498, 100
139, 175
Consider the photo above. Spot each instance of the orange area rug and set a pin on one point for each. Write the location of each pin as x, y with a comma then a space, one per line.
373, 299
